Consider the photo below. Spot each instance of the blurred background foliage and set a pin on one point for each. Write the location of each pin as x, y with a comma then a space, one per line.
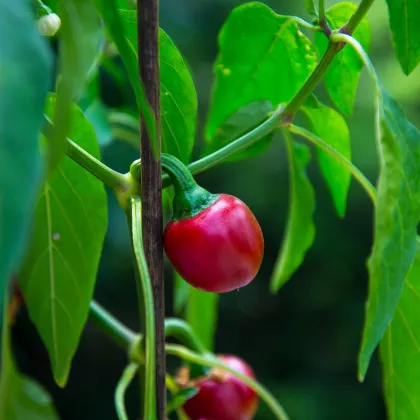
302, 342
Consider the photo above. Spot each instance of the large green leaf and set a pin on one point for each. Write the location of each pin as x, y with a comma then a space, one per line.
178, 98
21, 398
300, 230
182, 291
342, 76
59, 273
263, 56
397, 214
331, 127
23, 88
310, 7
201, 314
242, 121
400, 351
79, 42
118, 32
404, 20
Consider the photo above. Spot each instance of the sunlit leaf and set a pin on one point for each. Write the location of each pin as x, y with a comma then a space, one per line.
23, 88
241, 122
342, 76
404, 20
397, 214
80, 38
300, 230
331, 127
262, 56
59, 272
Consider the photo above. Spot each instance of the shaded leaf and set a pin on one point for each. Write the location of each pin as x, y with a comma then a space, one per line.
118, 32
241, 122
59, 273
178, 98
20, 159
300, 230
397, 214
404, 20
331, 127
400, 351
182, 292
97, 115
21, 398
342, 77
80, 37
202, 315
262, 56
310, 7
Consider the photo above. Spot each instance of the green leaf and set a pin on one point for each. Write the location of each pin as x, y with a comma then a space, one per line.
120, 33
201, 314
242, 121
404, 20
21, 398
400, 351
97, 114
80, 36
182, 291
331, 127
342, 77
262, 56
22, 86
59, 273
310, 7
300, 230
178, 98
397, 214
181, 398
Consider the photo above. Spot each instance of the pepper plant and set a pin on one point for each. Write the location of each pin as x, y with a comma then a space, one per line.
53, 207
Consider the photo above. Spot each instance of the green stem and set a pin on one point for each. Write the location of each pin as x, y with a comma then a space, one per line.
108, 176
243, 142
305, 24
358, 175
190, 199
313, 80
144, 284
209, 360
43, 7
321, 8
337, 38
111, 326
122, 386
358, 15
182, 331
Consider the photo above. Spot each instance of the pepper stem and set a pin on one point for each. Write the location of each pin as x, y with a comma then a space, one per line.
190, 199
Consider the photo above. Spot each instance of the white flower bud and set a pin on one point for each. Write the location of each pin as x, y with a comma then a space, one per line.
49, 24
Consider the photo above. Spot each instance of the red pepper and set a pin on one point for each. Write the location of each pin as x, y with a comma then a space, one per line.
214, 241
221, 396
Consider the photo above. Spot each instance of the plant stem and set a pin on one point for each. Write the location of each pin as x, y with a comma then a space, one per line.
108, 176
122, 386
145, 286
111, 326
243, 142
305, 24
358, 15
358, 175
182, 331
209, 360
313, 80
321, 8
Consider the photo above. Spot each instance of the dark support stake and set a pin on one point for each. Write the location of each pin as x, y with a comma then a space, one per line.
148, 24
